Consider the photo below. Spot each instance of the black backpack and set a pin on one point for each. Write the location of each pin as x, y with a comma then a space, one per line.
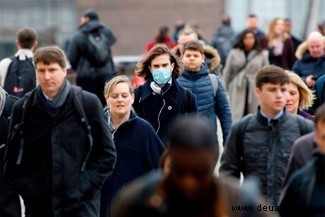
98, 51
20, 77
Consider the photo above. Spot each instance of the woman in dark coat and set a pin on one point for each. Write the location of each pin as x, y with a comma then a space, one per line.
137, 145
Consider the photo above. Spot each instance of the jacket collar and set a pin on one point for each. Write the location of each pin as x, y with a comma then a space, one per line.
147, 91
203, 71
265, 121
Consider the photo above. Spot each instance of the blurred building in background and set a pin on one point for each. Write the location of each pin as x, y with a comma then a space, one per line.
135, 22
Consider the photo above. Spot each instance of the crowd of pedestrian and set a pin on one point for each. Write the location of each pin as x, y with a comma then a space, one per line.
104, 147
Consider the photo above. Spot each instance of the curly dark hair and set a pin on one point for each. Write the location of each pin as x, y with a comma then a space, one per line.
240, 38
142, 68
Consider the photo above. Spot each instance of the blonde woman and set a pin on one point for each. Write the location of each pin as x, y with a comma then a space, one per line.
280, 45
299, 96
138, 147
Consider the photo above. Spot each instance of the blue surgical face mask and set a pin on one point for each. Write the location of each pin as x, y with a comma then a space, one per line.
161, 75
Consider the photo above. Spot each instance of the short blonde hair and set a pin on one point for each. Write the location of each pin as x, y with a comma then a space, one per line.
306, 95
109, 85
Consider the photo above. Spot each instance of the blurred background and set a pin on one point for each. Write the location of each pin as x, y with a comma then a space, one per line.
136, 22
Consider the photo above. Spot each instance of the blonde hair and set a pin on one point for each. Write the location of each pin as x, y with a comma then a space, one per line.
306, 96
109, 85
271, 34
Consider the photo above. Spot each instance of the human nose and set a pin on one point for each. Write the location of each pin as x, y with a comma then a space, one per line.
47, 75
288, 96
280, 93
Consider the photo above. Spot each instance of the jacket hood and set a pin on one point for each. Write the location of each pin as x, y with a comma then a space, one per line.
303, 48
212, 57
91, 25
203, 71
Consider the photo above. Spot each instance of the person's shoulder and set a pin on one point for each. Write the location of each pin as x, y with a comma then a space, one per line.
137, 190
89, 99
142, 123
305, 139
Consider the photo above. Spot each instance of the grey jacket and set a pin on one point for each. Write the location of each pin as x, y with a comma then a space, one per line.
241, 81
265, 150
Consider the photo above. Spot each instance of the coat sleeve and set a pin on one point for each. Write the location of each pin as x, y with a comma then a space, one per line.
223, 110
229, 160
111, 37
193, 103
227, 71
14, 174
74, 51
102, 158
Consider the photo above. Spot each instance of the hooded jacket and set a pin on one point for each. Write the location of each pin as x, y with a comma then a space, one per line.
200, 85
212, 58
77, 54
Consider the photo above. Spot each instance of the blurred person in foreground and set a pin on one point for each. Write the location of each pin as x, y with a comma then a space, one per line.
305, 193
189, 188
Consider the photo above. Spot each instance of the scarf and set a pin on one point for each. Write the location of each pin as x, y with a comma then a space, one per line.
158, 90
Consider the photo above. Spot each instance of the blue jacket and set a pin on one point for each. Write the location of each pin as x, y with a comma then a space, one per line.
138, 150
200, 84
161, 110
308, 65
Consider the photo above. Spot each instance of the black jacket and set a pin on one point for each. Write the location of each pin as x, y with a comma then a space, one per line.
304, 195
46, 169
9, 200
162, 110
77, 52
265, 150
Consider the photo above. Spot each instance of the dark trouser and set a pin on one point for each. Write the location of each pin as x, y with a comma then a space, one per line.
94, 85
9, 201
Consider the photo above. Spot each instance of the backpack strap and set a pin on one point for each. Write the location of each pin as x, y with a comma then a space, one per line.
214, 82
78, 102
239, 140
303, 127
20, 127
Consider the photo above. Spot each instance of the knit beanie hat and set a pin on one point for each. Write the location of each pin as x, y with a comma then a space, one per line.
91, 14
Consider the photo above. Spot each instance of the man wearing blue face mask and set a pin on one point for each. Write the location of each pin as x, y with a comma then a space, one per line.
160, 100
